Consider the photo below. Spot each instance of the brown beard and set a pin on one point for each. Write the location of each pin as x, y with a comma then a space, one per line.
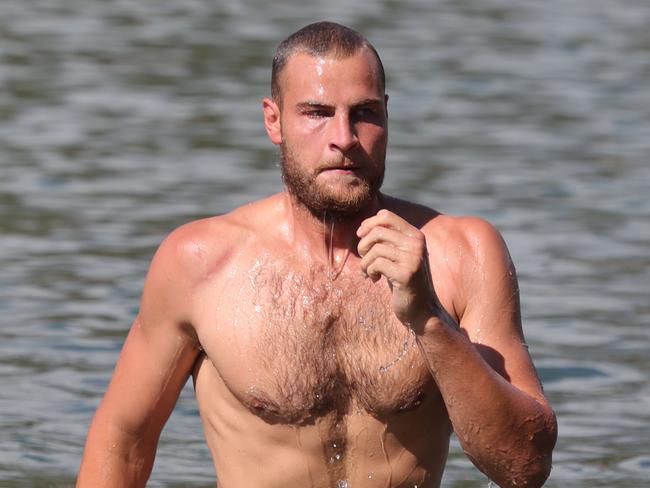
321, 201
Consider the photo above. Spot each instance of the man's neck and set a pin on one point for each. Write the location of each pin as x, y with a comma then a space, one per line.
325, 237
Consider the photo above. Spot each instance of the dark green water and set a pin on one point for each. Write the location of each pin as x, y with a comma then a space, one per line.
121, 120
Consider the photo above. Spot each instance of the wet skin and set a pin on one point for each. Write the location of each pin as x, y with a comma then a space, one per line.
329, 355
312, 380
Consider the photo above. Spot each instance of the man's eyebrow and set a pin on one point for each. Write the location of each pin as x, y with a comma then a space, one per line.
369, 101
310, 104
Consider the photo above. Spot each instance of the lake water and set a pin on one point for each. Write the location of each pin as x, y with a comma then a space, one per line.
121, 120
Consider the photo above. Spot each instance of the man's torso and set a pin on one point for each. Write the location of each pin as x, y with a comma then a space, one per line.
308, 376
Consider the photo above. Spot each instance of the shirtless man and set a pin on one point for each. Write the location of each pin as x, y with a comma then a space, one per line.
336, 336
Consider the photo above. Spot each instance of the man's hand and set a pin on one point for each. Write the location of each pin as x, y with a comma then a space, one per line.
392, 247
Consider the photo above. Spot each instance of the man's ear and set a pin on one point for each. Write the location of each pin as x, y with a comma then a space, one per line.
272, 120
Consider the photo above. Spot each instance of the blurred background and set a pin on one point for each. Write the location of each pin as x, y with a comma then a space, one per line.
121, 120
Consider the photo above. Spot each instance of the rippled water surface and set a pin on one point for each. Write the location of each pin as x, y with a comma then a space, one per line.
121, 120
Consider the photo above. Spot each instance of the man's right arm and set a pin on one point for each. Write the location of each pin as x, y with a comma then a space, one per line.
154, 364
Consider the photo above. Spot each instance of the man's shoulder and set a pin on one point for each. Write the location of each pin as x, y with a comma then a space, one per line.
468, 228
471, 232
469, 239
201, 245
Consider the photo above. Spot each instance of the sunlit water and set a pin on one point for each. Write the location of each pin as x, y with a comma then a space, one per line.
121, 120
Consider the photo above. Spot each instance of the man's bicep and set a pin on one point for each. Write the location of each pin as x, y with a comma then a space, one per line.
492, 318
147, 380
159, 351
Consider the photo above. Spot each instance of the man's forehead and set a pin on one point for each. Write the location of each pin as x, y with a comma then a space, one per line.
303, 66
303, 57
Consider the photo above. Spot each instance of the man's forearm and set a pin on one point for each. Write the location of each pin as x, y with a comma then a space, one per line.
506, 432
114, 458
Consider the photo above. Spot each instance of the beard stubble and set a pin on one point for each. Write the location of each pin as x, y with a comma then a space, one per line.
322, 201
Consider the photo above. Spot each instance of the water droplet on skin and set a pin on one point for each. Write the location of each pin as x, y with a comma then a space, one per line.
382, 440
319, 66
342, 484
402, 352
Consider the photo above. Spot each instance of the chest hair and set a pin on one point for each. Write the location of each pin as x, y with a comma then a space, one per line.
328, 345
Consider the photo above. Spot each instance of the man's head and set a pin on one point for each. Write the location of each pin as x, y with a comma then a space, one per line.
328, 115
320, 39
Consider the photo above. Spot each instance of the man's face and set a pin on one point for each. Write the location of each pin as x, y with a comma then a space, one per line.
333, 125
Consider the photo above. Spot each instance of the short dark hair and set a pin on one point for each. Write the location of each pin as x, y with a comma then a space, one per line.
319, 39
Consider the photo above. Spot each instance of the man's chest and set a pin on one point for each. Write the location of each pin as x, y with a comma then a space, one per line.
294, 345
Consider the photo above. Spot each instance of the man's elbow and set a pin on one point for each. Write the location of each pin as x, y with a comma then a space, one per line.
530, 464
533, 467
521, 471
535, 473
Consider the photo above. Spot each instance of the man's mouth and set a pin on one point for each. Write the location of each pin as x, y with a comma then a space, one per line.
341, 168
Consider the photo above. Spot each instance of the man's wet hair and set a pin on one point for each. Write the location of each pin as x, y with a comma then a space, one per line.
320, 39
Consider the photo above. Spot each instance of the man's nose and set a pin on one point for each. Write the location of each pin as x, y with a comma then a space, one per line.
343, 135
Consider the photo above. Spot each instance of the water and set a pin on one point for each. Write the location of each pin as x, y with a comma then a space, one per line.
121, 120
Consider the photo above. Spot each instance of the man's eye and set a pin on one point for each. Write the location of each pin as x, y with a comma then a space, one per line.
317, 114
366, 113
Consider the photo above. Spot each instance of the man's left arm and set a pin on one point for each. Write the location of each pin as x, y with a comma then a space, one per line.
491, 390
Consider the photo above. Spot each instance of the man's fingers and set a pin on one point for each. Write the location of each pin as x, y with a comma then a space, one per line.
385, 218
382, 250
382, 266
380, 234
